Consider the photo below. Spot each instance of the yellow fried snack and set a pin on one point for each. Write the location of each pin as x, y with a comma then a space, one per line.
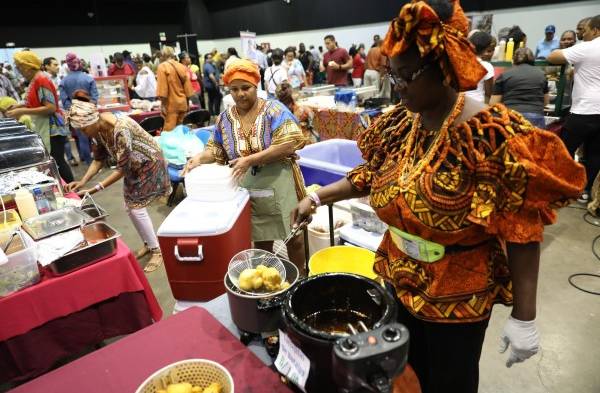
284, 285
183, 387
196, 389
246, 280
271, 279
261, 268
214, 387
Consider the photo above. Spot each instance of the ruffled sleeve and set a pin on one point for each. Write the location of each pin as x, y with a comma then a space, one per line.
284, 126
215, 143
525, 178
372, 144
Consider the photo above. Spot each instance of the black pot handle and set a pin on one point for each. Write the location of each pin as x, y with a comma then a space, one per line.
270, 303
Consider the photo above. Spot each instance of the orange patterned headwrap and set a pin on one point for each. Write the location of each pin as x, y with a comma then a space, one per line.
244, 70
418, 23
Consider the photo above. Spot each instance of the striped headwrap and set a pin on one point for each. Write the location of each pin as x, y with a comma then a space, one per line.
419, 24
82, 114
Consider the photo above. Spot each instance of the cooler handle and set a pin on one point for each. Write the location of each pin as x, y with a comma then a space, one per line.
198, 258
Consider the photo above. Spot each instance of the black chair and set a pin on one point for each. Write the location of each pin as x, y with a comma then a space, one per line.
153, 124
199, 118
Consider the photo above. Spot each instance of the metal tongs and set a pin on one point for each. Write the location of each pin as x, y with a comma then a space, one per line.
289, 237
87, 197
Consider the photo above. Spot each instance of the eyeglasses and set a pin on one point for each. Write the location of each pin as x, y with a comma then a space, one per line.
399, 80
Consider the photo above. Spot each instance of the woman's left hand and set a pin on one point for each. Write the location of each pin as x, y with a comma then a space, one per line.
16, 113
240, 167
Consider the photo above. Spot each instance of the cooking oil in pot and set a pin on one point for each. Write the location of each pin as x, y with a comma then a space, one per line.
336, 321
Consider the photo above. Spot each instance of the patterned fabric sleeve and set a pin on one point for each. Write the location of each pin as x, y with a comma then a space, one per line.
215, 144
372, 143
123, 147
526, 177
284, 126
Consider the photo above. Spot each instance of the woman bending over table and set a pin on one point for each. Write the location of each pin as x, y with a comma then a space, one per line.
258, 138
139, 161
466, 190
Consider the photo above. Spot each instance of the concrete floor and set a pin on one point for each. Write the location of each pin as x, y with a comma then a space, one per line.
568, 320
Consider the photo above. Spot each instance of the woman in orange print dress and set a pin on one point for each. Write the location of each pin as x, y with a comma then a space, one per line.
466, 191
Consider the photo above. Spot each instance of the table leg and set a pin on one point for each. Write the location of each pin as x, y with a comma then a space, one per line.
306, 252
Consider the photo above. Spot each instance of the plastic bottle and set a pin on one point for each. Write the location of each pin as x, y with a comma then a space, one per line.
353, 102
496, 53
43, 206
25, 204
502, 51
510, 49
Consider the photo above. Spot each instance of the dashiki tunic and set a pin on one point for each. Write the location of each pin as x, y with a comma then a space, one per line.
140, 159
494, 179
274, 188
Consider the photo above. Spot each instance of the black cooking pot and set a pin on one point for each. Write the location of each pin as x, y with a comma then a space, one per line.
259, 314
316, 311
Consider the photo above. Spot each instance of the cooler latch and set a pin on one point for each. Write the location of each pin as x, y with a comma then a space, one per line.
188, 250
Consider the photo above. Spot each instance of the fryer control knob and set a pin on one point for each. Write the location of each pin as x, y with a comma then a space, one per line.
391, 334
349, 346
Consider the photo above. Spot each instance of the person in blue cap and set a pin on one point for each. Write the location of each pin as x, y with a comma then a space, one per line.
548, 44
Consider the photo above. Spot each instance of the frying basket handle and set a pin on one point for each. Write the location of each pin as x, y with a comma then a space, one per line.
198, 258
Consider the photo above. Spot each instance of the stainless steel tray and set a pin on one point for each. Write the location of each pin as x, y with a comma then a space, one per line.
100, 243
56, 221
92, 209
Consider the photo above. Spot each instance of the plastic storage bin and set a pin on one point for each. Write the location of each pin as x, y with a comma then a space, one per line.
21, 270
328, 161
198, 239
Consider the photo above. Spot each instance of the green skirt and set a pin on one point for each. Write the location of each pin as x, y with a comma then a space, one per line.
273, 197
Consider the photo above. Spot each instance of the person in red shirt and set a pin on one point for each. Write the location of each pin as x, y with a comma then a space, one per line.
336, 62
119, 67
186, 60
358, 66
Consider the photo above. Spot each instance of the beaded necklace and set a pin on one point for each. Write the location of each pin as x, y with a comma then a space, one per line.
411, 166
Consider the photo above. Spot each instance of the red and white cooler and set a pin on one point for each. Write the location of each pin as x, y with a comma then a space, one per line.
199, 238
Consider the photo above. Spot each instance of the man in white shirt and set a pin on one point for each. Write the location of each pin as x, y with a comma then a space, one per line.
583, 123
275, 74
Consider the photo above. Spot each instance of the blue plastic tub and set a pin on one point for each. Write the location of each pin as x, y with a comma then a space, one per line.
328, 161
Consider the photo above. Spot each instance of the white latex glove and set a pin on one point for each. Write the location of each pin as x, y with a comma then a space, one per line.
523, 338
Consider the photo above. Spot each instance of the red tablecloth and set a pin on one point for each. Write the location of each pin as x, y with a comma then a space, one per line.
57, 297
121, 367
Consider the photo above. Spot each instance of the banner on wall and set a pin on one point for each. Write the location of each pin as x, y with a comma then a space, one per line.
481, 22
248, 44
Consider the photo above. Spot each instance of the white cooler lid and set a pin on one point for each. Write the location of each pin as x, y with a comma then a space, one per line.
198, 218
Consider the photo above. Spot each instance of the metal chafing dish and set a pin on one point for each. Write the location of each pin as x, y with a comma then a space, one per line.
318, 90
56, 221
100, 242
92, 209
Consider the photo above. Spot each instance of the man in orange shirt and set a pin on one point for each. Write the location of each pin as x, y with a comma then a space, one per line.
173, 88
376, 62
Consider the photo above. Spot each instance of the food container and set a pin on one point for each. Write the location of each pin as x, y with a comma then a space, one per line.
363, 216
343, 259
198, 372
258, 314
54, 222
211, 183
328, 161
21, 270
316, 312
21, 150
100, 243
92, 209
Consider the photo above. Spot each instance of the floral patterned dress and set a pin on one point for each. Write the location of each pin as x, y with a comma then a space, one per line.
140, 159
495, 179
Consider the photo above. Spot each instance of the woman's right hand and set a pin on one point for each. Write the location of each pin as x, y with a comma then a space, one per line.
191, 164
302, 213
74, 186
